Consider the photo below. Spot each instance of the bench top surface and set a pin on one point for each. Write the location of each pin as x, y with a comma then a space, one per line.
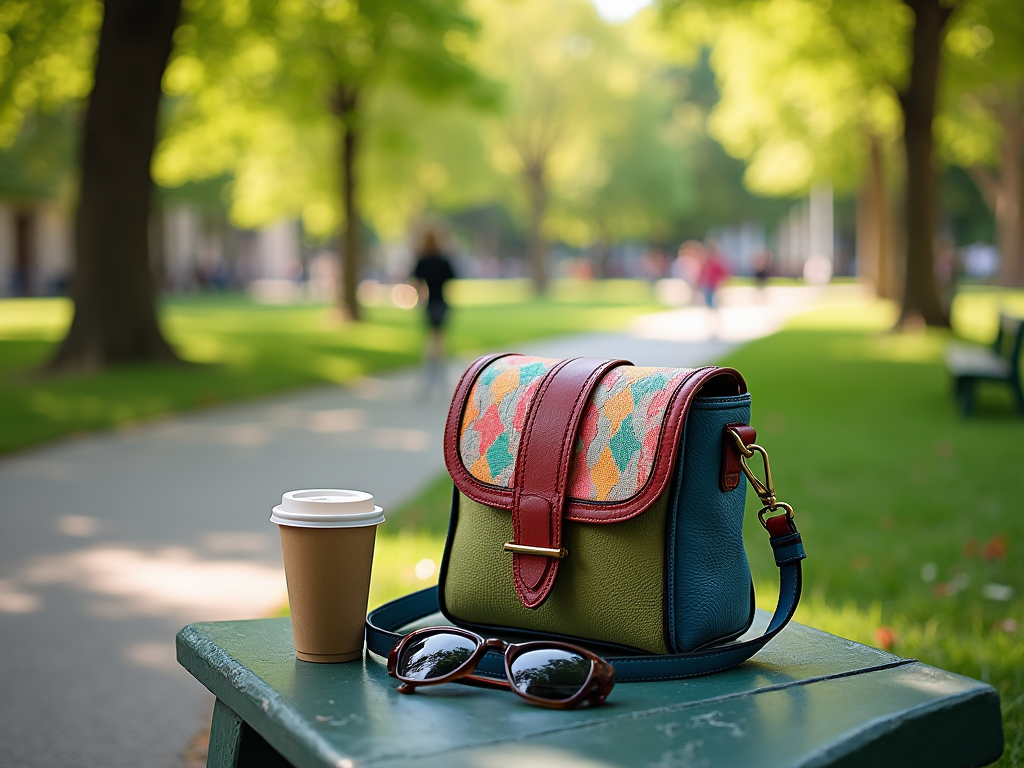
807, 699
997, 360
979, 361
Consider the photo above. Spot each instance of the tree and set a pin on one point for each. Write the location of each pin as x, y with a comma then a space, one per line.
805, 98
50, 65
47, 51
638, 182
113, 287
290, 98
982, 124
920, 293
837, 56
558, 63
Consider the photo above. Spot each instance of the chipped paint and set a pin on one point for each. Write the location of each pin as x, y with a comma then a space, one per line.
713, 719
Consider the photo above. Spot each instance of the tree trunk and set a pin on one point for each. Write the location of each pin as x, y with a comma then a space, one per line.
112, 287
874, 227
1009, 202
920, 292
346, 101
1004, 195
24, 252
537, 246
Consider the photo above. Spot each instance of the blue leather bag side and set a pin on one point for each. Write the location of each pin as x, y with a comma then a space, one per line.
709, 591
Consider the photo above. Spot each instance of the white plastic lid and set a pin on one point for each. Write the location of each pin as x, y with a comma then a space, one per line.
327, 508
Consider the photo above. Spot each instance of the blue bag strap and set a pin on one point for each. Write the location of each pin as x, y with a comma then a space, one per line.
383, 624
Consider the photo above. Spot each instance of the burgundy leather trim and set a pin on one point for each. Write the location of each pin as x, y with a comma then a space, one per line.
578, 510
542, 470
481, 493
669, 445
732, 467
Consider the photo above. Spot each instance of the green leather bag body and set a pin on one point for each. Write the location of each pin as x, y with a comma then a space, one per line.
598, 501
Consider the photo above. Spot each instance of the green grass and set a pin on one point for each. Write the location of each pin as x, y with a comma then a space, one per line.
907, 510
248, 349
889, 484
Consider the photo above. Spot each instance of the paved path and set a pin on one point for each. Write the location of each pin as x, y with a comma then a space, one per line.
111, 543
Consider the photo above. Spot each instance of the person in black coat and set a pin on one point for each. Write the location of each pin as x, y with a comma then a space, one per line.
433, 269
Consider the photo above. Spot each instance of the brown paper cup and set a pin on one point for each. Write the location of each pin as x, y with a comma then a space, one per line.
327, 537
328, 575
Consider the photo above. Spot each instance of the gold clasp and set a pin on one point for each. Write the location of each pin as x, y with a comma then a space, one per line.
764, 490
523, 549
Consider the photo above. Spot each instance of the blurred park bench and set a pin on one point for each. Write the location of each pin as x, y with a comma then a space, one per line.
999, 363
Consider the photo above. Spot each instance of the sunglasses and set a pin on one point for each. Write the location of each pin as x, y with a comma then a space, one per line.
549, 674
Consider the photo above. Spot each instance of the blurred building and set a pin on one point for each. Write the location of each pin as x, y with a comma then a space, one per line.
35, 249
191, 250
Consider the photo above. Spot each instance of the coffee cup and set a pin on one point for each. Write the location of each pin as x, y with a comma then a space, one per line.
327, 538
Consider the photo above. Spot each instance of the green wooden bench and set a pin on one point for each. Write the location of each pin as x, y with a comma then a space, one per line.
807, 699
1000, 363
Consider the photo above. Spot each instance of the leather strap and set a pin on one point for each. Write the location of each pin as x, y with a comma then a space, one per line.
732, 459
383, 625
542, 470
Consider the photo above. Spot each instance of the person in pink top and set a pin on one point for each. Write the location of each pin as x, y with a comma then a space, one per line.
713, 273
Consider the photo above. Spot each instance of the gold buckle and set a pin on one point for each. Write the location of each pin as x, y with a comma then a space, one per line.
523, 549
764, 490
774, 508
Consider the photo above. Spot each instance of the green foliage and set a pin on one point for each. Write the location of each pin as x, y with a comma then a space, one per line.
970, 220
983, 86
246, 350
260, 90
802, 84
38, 164
718, 177
587, 117
46, 57
639, 181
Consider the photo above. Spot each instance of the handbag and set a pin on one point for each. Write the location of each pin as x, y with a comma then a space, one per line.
600, 502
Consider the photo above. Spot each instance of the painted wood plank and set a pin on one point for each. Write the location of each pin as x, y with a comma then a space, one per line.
808, 698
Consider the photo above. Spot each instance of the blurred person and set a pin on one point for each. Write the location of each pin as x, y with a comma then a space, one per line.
433, 269
687, 263
817, 270
653, 265
761, 265
713, 273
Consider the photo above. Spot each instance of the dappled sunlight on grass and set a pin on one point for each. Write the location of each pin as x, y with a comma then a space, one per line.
862, 315
404, 562
42, 319
857, 623
976, 310
208, 349
908, 348
605, 291
87, 408
245, 349
477, 293
910, 514
339, 370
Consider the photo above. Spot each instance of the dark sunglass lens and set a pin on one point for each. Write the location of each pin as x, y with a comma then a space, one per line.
550, 673
430, 657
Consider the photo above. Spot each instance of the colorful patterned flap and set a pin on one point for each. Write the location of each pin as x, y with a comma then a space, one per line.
619, 434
